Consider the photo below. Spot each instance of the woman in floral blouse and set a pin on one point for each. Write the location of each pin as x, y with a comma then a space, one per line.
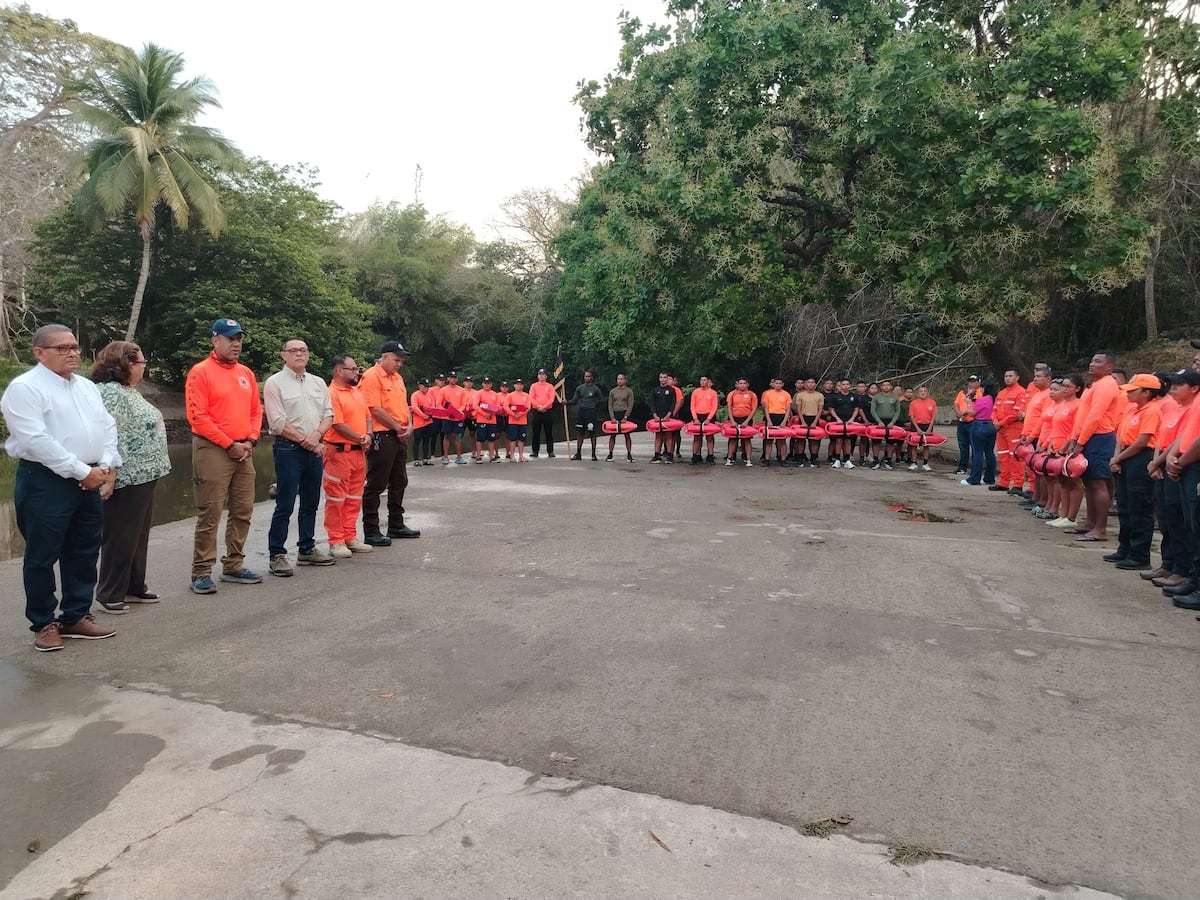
142, 443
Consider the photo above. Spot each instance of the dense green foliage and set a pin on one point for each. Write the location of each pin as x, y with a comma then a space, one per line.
965, 159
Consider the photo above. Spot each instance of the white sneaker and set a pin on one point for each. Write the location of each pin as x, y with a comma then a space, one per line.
837, 464
339, 551
357, 546
912, 467
925, 467
847, 465
729, 462
1062, 522
749, 465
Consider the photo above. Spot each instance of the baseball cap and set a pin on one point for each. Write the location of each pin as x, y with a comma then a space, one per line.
467, 378
972, 378
453, 374
487, 379
423, 381
440, 377
227, 327
394, 347
542, 372
1142, 380
518, 381
1186, 376
504, 384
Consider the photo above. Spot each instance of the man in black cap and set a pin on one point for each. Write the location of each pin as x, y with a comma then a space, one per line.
387, 455
541, 395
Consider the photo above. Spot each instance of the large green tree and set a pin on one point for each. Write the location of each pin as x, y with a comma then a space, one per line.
150, 153
959, 156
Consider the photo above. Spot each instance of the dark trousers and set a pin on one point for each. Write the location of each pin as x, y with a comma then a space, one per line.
983, 452
128, 515
539, 422
1189, 479
298, 472
60, 523
1135, 507
964, 445
1169, 507
423, 440
387, 470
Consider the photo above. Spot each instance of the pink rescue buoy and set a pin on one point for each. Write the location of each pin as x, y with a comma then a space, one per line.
1075, 465
931, 440
837, 429
610, 427
740, 431
808, 432
693, 428
666, 425
886, 433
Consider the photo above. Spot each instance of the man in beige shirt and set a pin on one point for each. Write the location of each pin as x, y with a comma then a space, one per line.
298, 412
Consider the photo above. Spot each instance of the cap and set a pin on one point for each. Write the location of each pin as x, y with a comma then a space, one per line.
227, 327
1186, 376
393, 347
972, 378
423, 381
439, 377
467, 378
542, 372
518, 381
453, 374
504, 384
1142, 380
487, 380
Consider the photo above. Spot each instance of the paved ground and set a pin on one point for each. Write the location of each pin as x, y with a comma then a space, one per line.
740, 652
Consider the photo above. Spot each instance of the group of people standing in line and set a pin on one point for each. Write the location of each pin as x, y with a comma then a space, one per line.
91, 452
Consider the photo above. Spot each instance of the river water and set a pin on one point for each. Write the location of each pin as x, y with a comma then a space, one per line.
173, 500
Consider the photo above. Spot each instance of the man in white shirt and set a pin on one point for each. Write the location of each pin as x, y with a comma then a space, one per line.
66, 444
298, 413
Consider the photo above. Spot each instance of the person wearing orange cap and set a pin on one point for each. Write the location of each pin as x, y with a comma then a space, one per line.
1095, 435
1135, 491
1010, 402
387, 461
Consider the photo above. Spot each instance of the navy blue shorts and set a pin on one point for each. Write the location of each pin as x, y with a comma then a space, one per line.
1099, 451
516, 432
485, 432
450, 427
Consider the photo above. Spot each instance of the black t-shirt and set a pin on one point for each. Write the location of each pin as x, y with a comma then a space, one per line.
863, 401
662, 400
842, 404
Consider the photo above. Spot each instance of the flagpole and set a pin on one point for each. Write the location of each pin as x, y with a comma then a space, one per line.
560, 389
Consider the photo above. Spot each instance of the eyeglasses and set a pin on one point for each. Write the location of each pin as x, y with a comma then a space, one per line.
296, 350
138, 362
64, 348
349, 369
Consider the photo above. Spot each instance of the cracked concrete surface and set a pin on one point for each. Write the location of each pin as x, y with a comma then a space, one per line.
213, 815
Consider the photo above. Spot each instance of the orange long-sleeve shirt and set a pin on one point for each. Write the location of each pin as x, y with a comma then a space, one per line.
1168, 427
1010, 401
222, 401
418, 402
1098, 409
386, 392
483, 416
454, 395
1035, 405
542, 394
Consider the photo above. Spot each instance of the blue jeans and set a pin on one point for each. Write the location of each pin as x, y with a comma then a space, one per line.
60, 523
983, 450
963, 433
297, 472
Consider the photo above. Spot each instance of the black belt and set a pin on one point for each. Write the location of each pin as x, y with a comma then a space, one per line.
30, 464
345, 448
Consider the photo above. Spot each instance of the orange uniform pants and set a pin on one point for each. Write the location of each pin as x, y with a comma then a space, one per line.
345, 474
1011, 471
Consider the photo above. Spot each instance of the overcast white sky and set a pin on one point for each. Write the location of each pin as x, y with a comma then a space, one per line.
477, 93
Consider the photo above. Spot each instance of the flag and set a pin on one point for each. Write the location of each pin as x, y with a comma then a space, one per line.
560, 376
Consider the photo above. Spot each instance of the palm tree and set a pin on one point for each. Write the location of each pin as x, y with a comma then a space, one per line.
149, 151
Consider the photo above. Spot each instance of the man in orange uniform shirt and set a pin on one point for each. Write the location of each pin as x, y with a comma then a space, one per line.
703, 403
1135, 490
455, 395
1095, 435
541, 394
518, 417
1010, 403
741, 403
387, 459
1037, 398
775, 403
922, 412
225, 413
346, 442
486, 404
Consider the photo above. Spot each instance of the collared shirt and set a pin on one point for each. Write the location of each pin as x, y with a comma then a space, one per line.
141, 435
704, 402
59, 422
349, 408
387, 392
301, 401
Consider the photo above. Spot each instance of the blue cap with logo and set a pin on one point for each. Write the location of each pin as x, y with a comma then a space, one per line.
227, 328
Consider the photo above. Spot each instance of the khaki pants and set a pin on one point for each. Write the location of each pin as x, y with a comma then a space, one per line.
218, 482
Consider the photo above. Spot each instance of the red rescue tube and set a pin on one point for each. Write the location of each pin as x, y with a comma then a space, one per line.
437, 412
1074, 466
1023, 452
808, 432
837, 429
667, 425
741, 431
931, 440
610, 427
884, 433
454, 414
779, 432
693, 428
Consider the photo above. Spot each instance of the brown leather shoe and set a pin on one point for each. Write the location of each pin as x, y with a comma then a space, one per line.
1169, 581
86, 629
48, 638
1160, 572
